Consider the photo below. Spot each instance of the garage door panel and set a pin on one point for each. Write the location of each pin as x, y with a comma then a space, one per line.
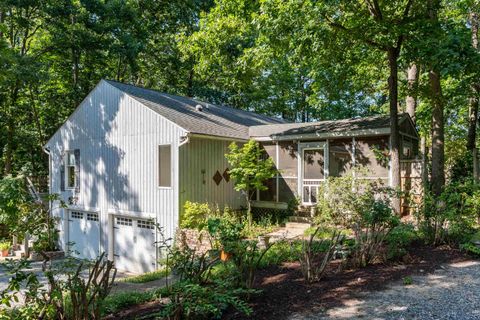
134, 245
84, 234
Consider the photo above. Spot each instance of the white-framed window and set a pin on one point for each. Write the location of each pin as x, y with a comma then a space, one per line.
70, 175
165, 166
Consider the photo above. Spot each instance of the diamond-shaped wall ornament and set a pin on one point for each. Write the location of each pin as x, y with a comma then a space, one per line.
217, 177
226, 175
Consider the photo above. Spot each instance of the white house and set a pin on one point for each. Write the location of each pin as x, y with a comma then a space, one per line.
129, 157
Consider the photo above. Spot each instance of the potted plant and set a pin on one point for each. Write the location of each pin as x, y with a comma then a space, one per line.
4, 247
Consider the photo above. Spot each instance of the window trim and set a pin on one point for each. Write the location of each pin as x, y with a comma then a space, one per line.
66, 165
158, 166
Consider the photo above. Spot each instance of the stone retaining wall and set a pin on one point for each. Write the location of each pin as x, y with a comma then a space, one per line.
200, 241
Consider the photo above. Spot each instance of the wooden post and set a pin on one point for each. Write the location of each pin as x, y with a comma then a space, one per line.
25, 244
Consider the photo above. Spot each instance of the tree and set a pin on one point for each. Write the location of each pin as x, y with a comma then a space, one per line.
249, 170
383, 27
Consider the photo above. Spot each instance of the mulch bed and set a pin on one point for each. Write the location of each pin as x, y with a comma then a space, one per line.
285, 292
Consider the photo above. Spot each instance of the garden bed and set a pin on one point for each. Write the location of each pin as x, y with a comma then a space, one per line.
286, 293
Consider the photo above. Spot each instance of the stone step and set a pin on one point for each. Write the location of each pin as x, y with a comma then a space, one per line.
298, 225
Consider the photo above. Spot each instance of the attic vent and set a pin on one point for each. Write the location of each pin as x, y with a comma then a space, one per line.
199, 107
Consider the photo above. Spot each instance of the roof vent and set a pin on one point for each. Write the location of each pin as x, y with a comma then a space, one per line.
199, 107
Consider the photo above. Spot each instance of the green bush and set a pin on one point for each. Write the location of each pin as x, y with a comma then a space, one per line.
118, 301
195, 215
191, 300
399, 239
362, 206
453, 216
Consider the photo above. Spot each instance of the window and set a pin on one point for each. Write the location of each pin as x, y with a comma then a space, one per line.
165, 166
124, 221
77, 215
70, 176
145, 224
92, 216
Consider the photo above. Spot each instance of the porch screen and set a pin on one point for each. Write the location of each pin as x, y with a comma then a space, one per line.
271, 193
287, 159
371, 155
313, 164
340, 157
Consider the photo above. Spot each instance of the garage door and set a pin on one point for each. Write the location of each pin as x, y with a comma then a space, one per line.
134, 245
84, 234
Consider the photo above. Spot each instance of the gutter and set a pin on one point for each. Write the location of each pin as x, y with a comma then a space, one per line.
325, 135
205, 136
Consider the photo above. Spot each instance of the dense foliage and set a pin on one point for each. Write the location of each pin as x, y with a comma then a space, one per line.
303, 60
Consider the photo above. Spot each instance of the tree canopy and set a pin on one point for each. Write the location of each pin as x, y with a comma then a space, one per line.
299, 60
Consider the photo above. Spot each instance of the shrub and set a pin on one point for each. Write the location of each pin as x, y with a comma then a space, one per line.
314, 263
246, 256
362, 206
226, 230
69, 295
195, 215
453, 216
191, 300
115, 302
199, 292
399, 239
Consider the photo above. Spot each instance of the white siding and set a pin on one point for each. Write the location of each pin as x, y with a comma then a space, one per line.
118, 140
207, 155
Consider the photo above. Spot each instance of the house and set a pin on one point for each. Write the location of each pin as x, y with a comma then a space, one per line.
129, 158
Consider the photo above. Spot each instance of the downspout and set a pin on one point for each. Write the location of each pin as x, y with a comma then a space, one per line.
187, 139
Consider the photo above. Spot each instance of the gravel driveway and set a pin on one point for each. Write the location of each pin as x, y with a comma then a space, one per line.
451, 292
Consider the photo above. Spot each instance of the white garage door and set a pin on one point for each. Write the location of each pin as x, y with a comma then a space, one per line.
84, 234
134, 245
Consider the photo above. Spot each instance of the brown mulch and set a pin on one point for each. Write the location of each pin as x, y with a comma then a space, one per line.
285, 292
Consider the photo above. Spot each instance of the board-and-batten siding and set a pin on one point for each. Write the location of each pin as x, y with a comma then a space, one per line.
118, 138
208, 155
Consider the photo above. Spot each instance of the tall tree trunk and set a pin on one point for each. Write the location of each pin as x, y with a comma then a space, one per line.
9, 148
438, 134
473, 109
438, 125
393, 54
411, 100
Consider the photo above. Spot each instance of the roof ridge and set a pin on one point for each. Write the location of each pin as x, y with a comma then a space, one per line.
207, 104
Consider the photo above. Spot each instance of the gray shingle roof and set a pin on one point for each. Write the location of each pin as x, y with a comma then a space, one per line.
212, 120
286, 129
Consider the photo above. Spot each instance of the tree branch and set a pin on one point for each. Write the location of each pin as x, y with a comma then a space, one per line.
341, 27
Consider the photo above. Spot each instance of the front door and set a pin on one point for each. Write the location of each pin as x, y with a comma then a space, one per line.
313, 166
